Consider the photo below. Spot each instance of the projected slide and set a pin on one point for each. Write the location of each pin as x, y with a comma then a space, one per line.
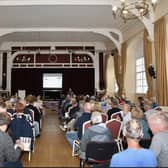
52, 80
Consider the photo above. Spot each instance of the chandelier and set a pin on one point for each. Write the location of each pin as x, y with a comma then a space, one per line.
133, 9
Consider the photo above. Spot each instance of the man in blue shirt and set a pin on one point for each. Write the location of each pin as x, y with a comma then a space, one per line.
135, 155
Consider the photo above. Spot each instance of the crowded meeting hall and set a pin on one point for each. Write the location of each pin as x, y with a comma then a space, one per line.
83, 83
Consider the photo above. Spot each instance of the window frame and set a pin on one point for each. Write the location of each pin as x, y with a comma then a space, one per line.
143, 87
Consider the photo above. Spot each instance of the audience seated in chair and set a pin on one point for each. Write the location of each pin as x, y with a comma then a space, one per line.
138, 114
114, 109
9, 154
22, 110
126, 114
20, 127
76, 135
70, 115
97, 132
135, 155
64, 106
21, 124
30, 99
158, 123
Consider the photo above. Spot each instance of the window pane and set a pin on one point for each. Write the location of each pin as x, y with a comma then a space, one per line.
139, 76
141, 83
144, 76
138, 68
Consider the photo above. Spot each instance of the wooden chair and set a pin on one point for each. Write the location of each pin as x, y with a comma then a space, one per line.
114, 126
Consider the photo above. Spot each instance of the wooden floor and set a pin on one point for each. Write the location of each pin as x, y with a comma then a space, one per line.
51, 148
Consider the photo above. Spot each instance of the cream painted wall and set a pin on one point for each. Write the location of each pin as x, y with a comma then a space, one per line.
161, 9
167, 43
110, 76
130, 86
132, 46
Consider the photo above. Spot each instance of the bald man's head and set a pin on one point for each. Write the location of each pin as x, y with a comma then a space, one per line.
87, 107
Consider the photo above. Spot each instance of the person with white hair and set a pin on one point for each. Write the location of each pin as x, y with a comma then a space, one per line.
97, 132
158, 123
134, 155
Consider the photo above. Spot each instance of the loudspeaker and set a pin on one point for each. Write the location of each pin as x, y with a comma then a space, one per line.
113, 52
151, 71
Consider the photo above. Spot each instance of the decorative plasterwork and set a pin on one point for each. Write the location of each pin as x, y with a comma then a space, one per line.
31, 59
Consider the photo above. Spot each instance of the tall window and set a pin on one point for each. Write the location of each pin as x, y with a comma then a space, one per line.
141, 84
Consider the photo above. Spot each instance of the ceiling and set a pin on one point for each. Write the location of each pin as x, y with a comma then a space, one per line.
60, 20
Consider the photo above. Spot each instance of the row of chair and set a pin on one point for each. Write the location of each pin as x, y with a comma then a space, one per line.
114, 126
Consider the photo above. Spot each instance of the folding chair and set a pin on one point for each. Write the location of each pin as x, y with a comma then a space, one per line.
99, 152
104, 117
27, 145
114, 126
86, 125
116, 115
